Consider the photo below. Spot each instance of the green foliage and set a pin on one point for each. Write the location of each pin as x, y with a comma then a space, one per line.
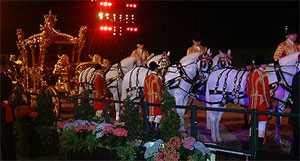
45, 110
131, 118
71, 143
45, 121
85, 111
197, 155
171, 122
21, 127
169, 102
126, 152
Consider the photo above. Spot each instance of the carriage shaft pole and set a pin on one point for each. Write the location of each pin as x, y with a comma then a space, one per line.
145, 119
194, 121
106, 111
254, 129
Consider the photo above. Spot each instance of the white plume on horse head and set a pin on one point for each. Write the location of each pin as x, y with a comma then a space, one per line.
228, 52
168, 54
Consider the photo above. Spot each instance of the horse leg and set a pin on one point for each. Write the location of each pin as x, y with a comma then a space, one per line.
208, 121
280, 109
117, 106
212, 116
217, 122
181, 116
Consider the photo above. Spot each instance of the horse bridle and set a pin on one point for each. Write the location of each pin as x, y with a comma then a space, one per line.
185, 77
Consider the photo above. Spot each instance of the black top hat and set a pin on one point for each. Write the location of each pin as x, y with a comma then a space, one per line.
291, 30
197, 37
249, 61
98, 67
260, 59
141, 42
153, 66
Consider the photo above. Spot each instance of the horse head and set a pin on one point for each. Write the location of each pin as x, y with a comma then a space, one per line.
222, 60
163, 60
204, 64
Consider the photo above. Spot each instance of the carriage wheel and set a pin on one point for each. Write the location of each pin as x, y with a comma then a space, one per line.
55, 100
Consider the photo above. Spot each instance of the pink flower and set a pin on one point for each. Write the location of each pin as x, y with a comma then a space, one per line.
159, 157
76, 130
188, 142
81, 128
175, 155
120, 132
175, 142
107, 129
60, 125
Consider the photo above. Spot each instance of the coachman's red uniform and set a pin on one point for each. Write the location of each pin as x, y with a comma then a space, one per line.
285, 48
153, 93
100, 91
258, 92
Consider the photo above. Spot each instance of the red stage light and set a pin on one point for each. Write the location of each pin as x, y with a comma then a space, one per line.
106, 4
131, 5
106, 28
135, 29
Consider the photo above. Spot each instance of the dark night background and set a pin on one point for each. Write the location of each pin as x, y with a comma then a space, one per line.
247, 28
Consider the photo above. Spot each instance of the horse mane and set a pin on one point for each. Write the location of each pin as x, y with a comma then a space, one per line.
190, 58
289, 59
127, 61
215, 60
154, 58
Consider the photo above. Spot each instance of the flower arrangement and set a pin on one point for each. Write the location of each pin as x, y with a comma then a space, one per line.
80, 136
175, 149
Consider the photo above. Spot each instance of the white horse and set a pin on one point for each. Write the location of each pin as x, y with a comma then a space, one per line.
114, 77
179, 79
222, 60
230, 85
133, 82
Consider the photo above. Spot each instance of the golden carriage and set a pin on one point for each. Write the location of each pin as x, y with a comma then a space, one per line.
51, 60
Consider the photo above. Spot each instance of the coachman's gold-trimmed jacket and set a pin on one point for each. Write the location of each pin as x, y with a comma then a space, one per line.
258, 92
142, 55
285, 48
153, 93
195, 49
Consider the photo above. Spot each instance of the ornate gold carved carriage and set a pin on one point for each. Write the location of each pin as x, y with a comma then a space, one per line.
51, 59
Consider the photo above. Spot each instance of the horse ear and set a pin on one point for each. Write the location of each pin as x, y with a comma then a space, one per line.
229, 52
208, 52
151, 55
168, 54
220, 52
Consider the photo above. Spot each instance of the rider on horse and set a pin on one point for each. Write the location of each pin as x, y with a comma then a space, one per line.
197, 47
140, 53
289, 46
